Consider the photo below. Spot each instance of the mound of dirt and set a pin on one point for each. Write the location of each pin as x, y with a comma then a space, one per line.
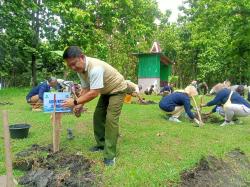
149, 102
210, 172
209, 118
47, 169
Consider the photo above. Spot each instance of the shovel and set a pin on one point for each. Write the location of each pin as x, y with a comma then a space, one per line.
198, 112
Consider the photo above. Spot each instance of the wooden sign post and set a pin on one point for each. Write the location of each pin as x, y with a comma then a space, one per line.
8, 180
52, 104
57, 122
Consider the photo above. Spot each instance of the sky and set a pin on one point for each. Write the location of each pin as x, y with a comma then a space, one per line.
171, 5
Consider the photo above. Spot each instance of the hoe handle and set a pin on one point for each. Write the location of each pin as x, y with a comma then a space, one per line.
198, 112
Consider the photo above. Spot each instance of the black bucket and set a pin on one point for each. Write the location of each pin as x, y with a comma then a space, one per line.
19, 131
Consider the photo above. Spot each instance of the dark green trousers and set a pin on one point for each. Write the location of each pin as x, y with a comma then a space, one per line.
106, 118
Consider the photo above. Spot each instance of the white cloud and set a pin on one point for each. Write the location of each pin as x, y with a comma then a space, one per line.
171, 5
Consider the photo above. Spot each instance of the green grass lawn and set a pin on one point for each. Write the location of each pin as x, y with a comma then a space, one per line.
151, 150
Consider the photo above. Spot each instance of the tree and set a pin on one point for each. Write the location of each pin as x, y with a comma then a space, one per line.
24, 25
212, 42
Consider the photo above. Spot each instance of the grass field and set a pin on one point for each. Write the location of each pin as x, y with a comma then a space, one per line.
152, 150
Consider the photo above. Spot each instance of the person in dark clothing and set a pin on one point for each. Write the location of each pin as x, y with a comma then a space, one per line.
177, 102
236, 106
35, 96
240, 89
202, 88
150, 90
166, 90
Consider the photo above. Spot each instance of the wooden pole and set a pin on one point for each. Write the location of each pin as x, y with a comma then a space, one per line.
8, 162
198, 112
56, 123
202, 102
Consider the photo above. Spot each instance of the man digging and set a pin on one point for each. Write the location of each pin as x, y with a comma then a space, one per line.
99, 78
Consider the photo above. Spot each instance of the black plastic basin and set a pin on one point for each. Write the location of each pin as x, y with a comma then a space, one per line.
19, 130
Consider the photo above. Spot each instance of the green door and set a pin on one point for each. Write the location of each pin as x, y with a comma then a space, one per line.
165, 72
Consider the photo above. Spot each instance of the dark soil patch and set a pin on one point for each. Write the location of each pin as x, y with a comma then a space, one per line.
59, 169
233, 171
210, 118
144, 102
149, 102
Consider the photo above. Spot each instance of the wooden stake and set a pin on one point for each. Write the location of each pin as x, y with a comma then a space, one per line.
56, 123
8, 162
199, 115
201, 102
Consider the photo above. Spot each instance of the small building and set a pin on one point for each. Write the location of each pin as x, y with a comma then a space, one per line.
154, 68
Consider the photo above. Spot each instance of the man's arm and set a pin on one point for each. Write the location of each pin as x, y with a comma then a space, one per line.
84, 91
42, 89
91, 92
187, 107
217, 100
86, 96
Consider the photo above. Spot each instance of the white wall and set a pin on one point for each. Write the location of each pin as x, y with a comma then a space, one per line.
147, 82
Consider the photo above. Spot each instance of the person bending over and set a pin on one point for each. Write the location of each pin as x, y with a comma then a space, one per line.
233, 105
176, 103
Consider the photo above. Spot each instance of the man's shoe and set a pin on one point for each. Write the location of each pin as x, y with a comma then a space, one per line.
96, 148
109, 162
225, 123
174, 119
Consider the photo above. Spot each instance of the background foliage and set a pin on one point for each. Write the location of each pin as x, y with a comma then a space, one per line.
210, 41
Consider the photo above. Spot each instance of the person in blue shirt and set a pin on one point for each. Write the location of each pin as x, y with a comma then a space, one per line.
238, 106
166, 90
175, 104
202, 88
35, 96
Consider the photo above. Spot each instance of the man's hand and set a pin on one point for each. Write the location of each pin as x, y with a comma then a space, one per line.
69, 103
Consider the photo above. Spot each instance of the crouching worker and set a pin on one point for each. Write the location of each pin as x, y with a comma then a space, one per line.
132, 91
149, 90
166, 90
175, 104
233, 105
35, 96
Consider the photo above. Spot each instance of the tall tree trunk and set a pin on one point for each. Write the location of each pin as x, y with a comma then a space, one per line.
33, 69
36, 27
